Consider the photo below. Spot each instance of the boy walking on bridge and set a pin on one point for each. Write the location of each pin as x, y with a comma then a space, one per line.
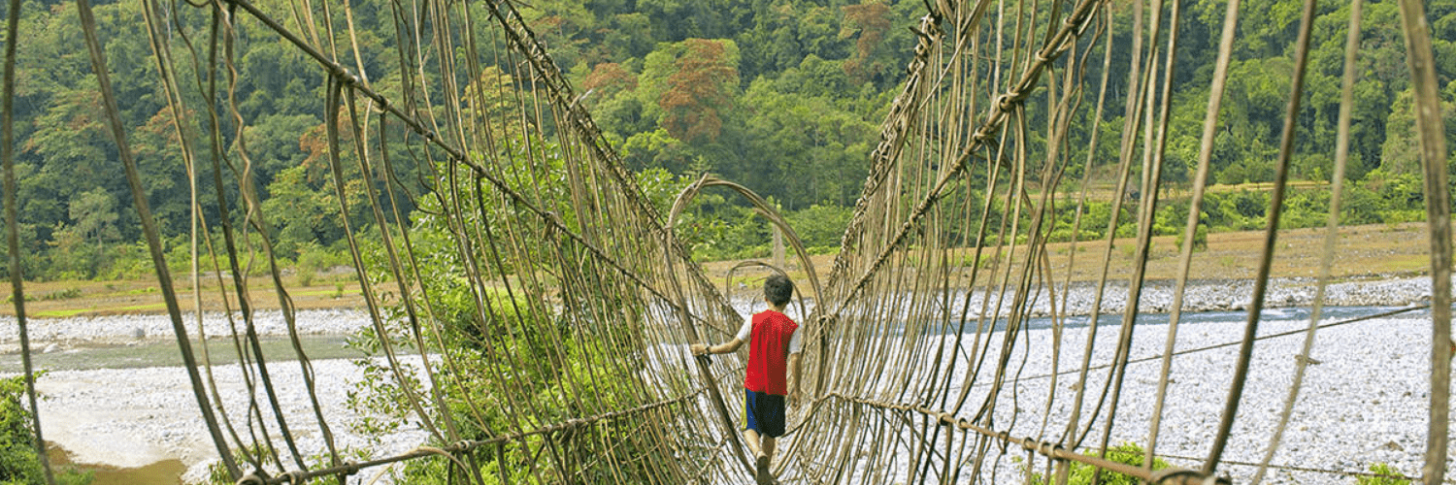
774, 346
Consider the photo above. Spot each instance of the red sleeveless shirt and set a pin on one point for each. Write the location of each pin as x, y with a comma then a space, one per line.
768, 353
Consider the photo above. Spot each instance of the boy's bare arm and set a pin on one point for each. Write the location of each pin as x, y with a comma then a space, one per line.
732, 345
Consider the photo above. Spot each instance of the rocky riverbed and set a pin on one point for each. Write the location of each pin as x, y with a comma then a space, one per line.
127, 418
60, 333
133, 417
140, 414
1363, 400
1209, 296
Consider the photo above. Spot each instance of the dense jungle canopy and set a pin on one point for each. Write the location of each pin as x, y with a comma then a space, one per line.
783, 96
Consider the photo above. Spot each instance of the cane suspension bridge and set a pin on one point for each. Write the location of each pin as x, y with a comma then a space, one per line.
908, 351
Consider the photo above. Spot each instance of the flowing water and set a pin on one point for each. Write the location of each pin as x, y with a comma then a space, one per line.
163, 353
166, 472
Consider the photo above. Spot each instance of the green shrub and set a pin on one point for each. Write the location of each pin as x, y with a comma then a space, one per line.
65, 294
1081, 474
19, 464
1200, 239
1382, 469
967, 259
313, 257
125, 261
217, 474
305, 276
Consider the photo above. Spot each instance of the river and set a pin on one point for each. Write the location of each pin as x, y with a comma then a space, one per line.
127, 410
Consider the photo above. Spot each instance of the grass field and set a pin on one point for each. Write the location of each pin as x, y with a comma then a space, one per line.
1364, 252
59, 299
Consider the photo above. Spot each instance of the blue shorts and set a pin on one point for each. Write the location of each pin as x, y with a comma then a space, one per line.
764, 413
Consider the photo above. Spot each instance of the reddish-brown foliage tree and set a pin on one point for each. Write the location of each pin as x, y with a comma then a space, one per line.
608, 79
872, 19
315, 142
699, 92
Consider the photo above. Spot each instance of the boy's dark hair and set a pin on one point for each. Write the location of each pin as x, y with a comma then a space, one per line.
777, 289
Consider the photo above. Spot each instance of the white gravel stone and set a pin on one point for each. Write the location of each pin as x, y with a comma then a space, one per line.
135, 417
1364, 403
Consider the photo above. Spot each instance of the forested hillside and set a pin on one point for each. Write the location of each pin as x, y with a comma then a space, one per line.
784, 96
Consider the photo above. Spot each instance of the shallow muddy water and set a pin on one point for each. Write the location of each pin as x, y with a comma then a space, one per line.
163, 353
168, 472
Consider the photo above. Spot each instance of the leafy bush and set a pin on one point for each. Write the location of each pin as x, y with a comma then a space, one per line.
544, 350
1200, 239
1382, 469
1081, 474
314, 258
19, 464
65, 294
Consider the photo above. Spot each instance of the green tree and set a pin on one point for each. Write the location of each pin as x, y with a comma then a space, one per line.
273, 142
507, 349
806, 149
94, 216
1401, 151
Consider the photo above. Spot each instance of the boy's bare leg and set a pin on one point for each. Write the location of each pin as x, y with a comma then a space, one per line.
760, 456
751, 436
768, 447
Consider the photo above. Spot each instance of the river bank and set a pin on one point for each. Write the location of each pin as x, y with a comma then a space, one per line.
133, 417
130, 418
